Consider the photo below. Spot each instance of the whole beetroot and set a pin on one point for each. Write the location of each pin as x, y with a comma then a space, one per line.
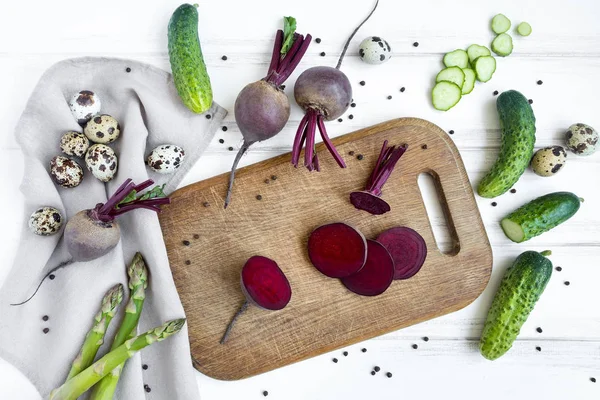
261, 108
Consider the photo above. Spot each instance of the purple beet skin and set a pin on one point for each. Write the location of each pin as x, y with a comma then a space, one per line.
369, 199
407, 248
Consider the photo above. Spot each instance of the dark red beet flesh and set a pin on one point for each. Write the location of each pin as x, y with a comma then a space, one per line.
369, 200
264, 284
407, 248
337, 250
377, 274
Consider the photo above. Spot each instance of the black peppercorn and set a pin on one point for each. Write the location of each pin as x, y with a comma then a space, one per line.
265, 393
147, 388
494, 204
415, 346
350, 116
389, 97
513, 191
389, 374
224, 58
373, 373
221, 141
322, 54
208, 116
377, 369
425, 339
360, 157
402, 89
258, 197
127, 69
273, 177
224, 129
558, 269
353, 105
230, 148
345, 354
340, 120
363, 350
538, 348
538, 330
51, 276
539, 82
186, 242
451, 132
530, 101
351, 153
318, 40
206, 204
187, 262
335, 360
45, 318
593, 380
495, 93
362, 83
567, 283
416, 44
46, 330
424, 147
145, 366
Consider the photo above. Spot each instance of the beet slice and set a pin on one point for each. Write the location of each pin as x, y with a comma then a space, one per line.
264, 284
369, 202
377, 274
337, 250
407, 248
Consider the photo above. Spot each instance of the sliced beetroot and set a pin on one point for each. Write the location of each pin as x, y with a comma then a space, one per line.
264, 284
377, 274
337, 250
369, 199
407, 248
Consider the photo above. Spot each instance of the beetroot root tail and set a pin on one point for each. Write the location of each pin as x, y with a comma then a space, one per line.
238, 157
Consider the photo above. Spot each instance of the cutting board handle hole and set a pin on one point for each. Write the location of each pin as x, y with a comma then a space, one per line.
438, 213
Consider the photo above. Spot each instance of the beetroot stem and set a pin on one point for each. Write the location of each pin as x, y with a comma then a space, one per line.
310, 140
328, 143
386, 162
242, 309
276, 56
238, 157
298, 39
117, 197
297, 147
294, 61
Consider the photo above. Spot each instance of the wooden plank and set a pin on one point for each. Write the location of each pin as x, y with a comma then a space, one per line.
322, 315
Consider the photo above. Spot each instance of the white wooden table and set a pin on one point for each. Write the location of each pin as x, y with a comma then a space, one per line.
563, 52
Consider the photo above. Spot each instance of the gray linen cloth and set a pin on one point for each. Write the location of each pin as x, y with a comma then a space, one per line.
145, 102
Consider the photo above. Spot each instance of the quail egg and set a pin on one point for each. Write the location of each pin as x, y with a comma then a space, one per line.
102, 129
74, 144
166, 158
84, 105
66, 172
549, 160
45, 221
374, 50
582, 139
101, 161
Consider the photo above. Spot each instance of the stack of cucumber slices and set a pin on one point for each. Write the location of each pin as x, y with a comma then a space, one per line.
463, 68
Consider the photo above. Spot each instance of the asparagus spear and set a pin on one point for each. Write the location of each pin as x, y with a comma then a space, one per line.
76, 386
95, 337
138, 282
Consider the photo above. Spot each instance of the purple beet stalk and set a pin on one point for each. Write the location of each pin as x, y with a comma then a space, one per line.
115, 206
370, 199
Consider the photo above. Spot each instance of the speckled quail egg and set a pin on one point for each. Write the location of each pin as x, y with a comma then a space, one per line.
84, 105
102, 129
582, 139
74, 144
45, 221
374, 50
549, 160
166, 158
101, 161
66, 172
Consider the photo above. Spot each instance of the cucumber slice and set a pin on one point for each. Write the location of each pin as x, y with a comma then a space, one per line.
445, 95
456, 58
469, 84
485, 67
452, 74
500, 24
502, 45
475, 51
524, 29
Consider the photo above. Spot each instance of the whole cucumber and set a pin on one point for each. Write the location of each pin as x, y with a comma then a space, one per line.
189, 71
518, 137
540, 215
521, 287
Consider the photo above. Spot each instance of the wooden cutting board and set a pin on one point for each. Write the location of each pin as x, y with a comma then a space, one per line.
207, 247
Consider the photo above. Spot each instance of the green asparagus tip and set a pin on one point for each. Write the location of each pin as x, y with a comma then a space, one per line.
138, 272
546, 253
112, 299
